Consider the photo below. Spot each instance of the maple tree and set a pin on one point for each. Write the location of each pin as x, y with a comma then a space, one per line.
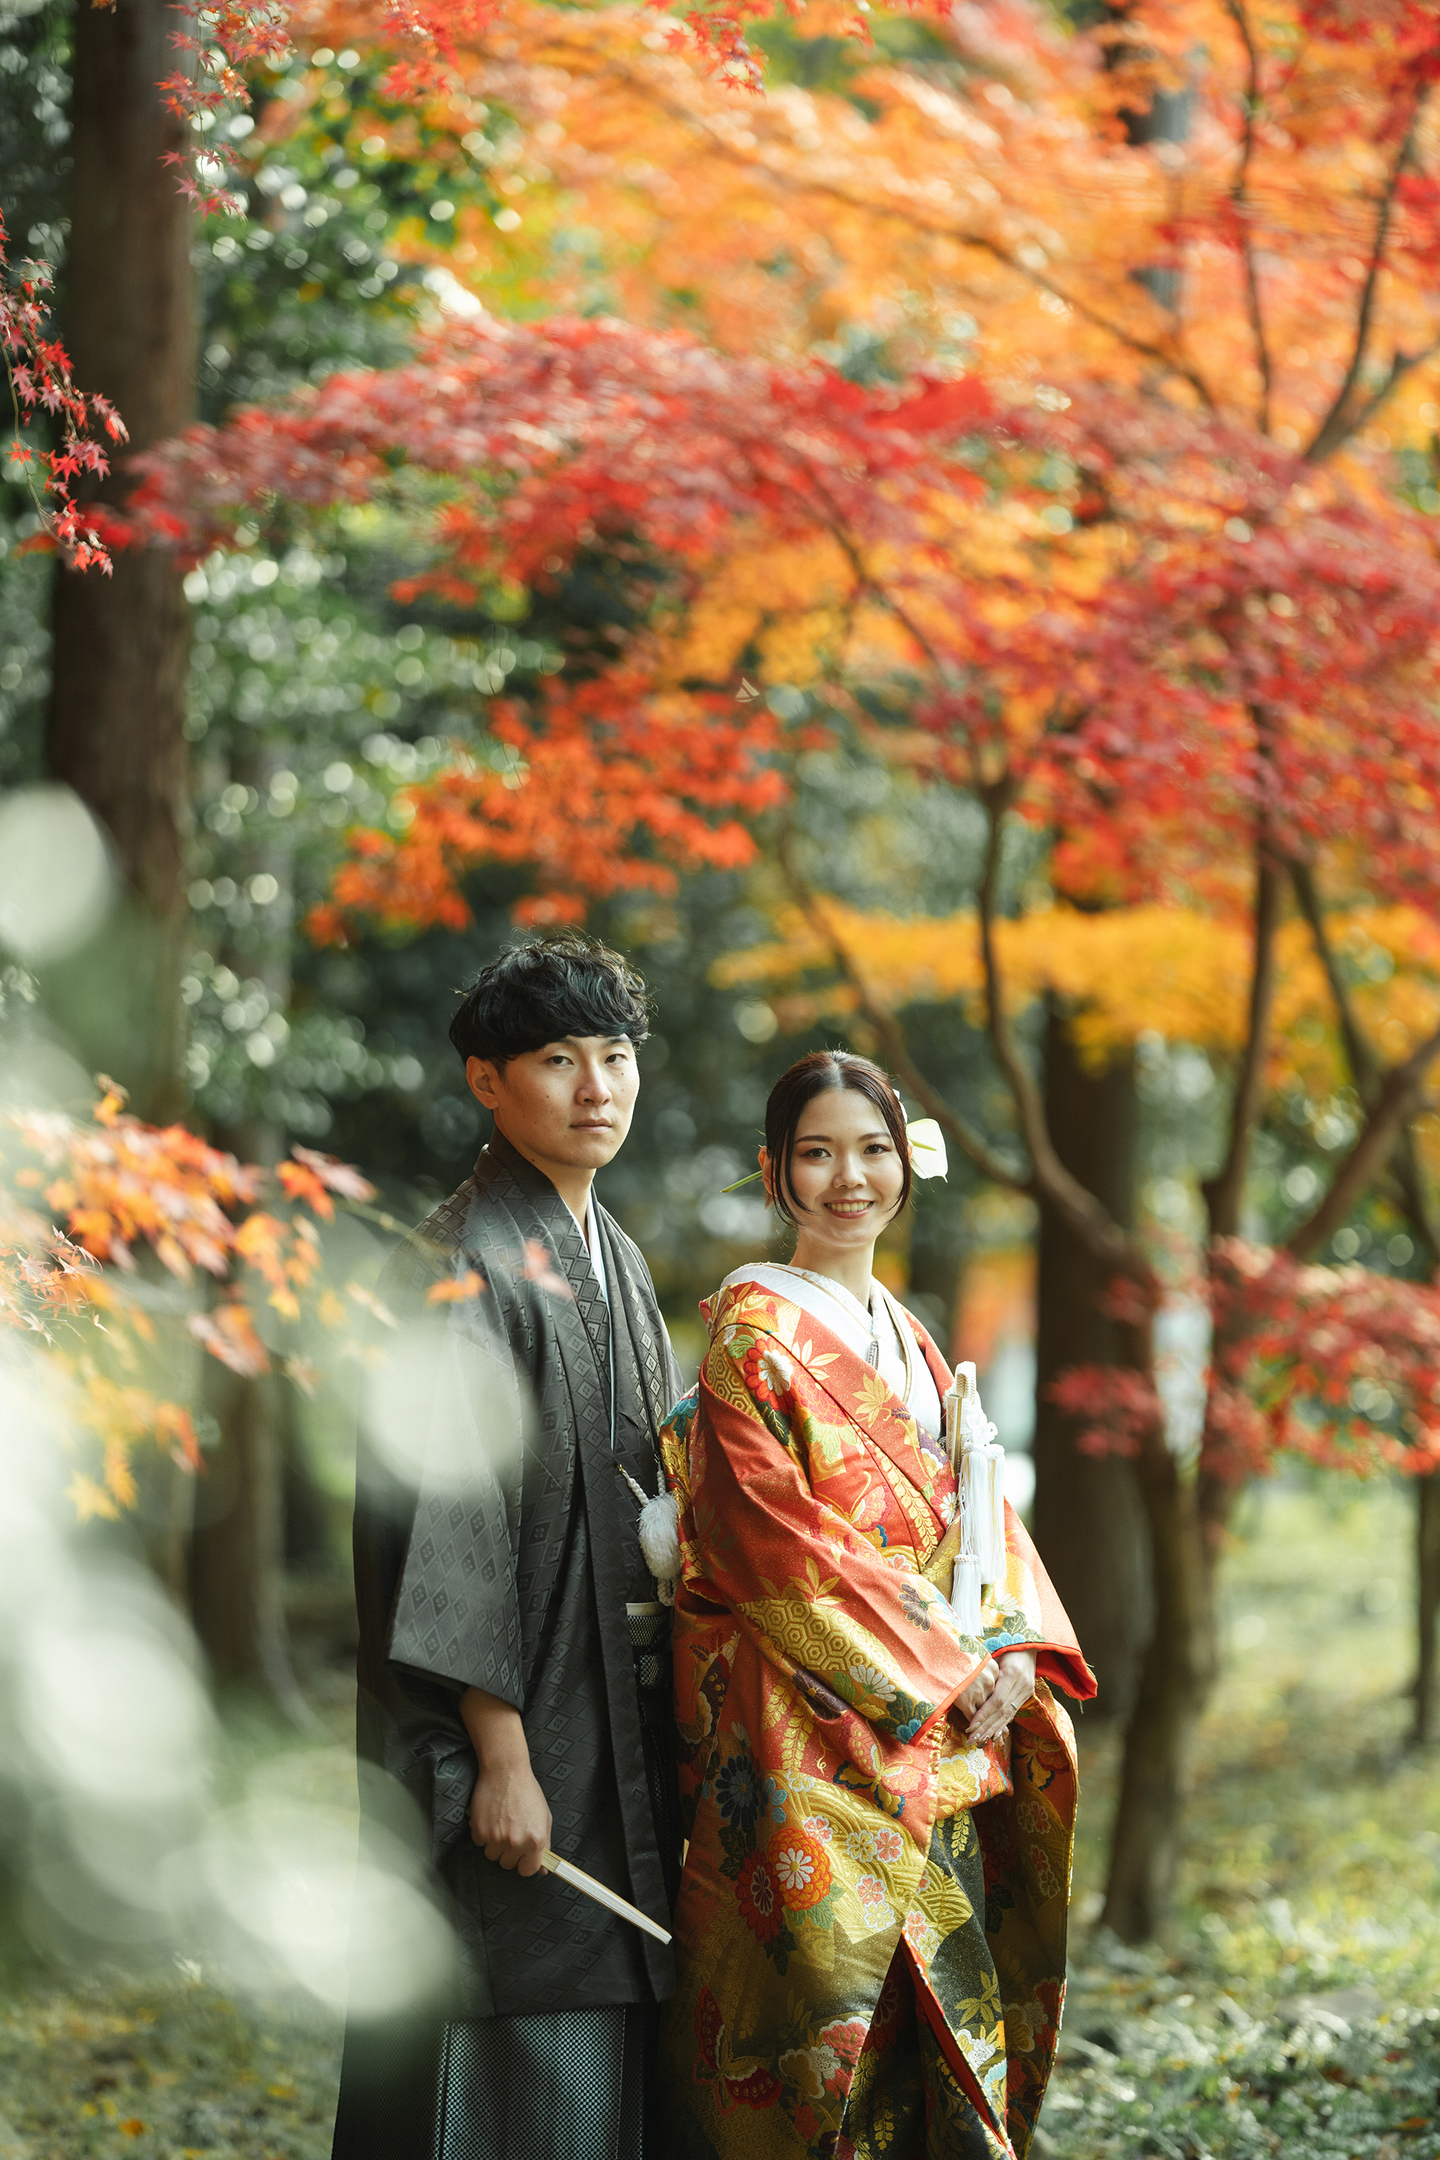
81, 1200
221, 48
576, 435
1232, 669
1152, 593
41, 382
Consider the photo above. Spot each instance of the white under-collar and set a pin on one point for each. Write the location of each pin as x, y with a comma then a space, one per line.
879, 1333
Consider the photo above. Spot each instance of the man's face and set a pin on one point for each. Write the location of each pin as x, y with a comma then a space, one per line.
569, 1103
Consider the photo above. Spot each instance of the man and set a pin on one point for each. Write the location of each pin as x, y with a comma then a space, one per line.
513, 1664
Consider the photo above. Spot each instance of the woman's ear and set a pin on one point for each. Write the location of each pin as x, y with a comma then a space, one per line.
768, 1176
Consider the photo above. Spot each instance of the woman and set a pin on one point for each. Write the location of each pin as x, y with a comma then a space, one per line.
871, 1921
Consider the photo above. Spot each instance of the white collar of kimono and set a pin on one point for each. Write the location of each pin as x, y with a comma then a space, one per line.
838, 1309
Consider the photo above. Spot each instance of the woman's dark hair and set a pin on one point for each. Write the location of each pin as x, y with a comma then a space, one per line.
817, 1075
539, 992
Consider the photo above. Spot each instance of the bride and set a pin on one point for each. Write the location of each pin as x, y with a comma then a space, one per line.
880, 1804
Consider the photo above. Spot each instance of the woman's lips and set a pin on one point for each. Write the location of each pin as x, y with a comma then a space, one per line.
849, 1207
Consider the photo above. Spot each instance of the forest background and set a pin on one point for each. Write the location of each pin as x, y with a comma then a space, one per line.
935, 552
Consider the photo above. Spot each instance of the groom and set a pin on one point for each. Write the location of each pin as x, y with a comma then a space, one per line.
513, 1665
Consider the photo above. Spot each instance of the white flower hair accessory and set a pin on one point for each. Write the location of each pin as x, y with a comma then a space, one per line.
927, 1148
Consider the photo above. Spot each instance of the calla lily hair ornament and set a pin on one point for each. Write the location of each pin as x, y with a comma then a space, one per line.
927, 1153
927, 1148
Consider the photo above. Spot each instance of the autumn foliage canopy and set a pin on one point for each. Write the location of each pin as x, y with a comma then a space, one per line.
1117, 534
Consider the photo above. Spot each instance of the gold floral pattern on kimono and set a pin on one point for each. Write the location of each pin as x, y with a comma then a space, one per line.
815, 1669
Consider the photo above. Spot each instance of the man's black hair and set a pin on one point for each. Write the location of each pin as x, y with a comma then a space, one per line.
546, 989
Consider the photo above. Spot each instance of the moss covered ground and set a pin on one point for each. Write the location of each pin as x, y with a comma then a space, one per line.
1295, 2012
1297, 2008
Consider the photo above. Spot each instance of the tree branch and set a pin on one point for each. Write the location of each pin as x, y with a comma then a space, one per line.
1400, 366
1240, 202
1365, 1067
1334, 428
835, 526
1223, 1192
1019, 1079
1414, 1199
1090, 1221
1401, 1095
1048, 1179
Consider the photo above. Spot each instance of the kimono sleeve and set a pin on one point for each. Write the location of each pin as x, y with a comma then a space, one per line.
456, 1615
825, 1607
1026, 1612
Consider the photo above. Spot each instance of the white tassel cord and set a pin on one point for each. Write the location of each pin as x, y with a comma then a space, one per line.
999, 1553
659, 1528
980, 1474
965, 1595
660, 1536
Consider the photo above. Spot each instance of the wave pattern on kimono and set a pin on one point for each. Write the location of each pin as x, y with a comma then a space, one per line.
834, 1809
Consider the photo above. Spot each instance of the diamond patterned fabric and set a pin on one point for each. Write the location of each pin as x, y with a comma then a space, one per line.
495, 1547
566, 2087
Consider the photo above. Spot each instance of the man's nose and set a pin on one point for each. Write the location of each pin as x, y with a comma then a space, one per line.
594, 1084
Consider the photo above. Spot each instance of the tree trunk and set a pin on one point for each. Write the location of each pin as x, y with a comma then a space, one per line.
117, 709
1427, 1524
1145, 1837
238, 1554
237, 1543
1089, 1524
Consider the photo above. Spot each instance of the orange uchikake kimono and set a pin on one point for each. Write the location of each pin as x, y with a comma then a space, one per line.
871, 1920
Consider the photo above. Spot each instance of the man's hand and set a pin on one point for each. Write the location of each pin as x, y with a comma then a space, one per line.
509, 1814
977, 1689
1011, 1692
510, 1818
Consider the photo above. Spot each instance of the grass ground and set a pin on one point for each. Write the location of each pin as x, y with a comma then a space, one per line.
1296, 2008
1296, 2011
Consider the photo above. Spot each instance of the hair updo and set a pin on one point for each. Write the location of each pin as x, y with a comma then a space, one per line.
819, 1074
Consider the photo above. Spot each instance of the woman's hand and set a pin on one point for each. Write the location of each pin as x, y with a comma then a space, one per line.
1012, 1690
976, 1689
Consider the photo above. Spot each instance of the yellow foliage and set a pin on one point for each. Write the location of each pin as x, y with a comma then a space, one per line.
1128, 972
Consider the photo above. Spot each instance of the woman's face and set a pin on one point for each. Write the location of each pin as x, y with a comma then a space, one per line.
845, 1173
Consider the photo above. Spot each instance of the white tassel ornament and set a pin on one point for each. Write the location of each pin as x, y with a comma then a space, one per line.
979, 1463
965, 1595
660, 1536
